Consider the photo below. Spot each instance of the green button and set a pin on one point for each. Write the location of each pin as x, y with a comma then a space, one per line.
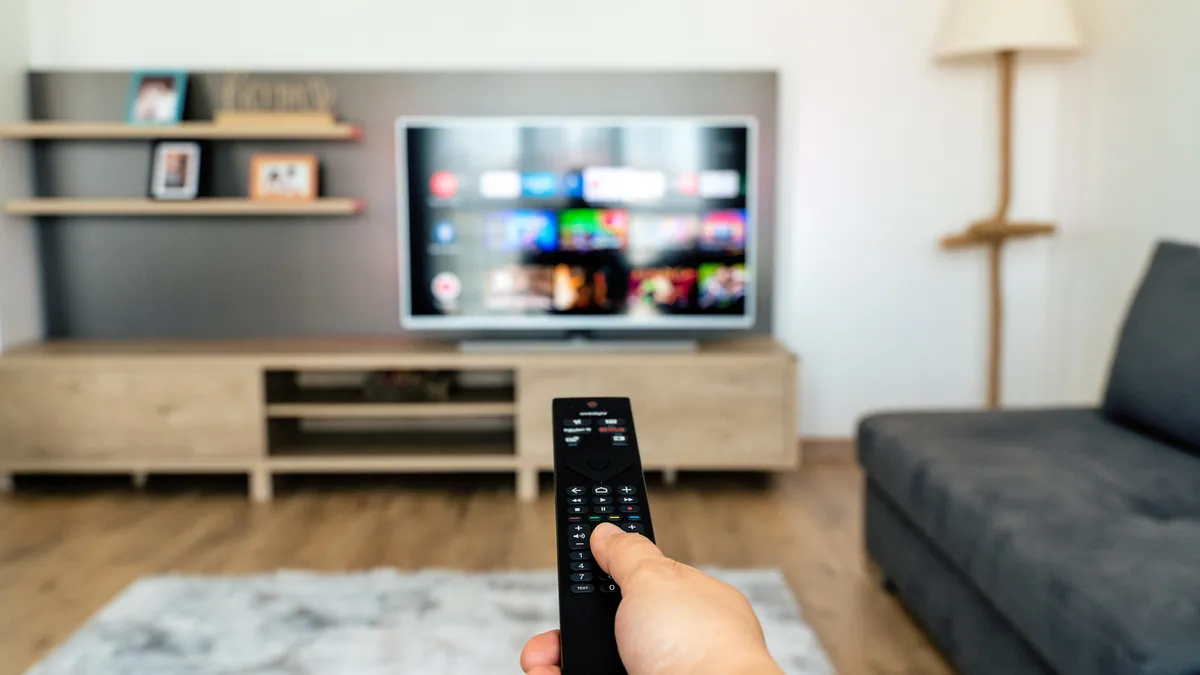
595, 518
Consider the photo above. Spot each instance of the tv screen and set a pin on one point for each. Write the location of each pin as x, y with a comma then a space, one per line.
576, 224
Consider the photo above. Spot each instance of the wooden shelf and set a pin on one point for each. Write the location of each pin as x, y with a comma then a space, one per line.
63, 206
419, 451
390, 410
182, 131
347, 403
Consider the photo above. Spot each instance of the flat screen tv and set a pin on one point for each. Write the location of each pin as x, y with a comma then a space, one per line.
577, 224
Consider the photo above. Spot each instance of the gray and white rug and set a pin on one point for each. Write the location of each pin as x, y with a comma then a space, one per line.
381, 622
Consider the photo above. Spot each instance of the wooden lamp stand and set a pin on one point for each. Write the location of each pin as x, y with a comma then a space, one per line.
1001, 29
997, 230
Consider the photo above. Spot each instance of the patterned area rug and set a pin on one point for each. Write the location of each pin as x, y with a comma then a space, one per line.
381, 622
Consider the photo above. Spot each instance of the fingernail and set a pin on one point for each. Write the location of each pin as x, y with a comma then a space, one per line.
605, 530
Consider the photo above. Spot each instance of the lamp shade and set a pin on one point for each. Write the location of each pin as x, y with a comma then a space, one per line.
975, 27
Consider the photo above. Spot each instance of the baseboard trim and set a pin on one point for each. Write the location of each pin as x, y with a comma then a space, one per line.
818, 450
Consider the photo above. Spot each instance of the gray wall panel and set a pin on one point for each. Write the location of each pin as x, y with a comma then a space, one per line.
280, 277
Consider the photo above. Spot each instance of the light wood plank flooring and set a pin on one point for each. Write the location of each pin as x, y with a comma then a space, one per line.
65, 552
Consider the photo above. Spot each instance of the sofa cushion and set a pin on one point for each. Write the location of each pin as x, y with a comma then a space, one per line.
1084, 534
1155, 379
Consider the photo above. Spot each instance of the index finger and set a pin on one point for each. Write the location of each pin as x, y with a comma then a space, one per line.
622, 554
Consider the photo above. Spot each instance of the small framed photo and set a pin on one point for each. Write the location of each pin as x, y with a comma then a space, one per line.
157, 97
175, 171
283, 177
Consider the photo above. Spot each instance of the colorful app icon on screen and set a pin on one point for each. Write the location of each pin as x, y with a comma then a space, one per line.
721, 286
443, 184
720, 184
576, 288
573, 184
500, 185
519, 288
444, 233
605, 183
522, 230
658, 290
446, 287
655, 231
593, 229
687, 183
724, 230
539, 184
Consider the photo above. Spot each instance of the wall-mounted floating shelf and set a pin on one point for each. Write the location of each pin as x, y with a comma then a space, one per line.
61, 206
184, 131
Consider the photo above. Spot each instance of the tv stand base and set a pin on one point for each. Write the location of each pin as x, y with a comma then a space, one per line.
267, 408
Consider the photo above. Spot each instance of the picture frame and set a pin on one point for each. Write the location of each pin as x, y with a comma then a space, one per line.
156, 97
284, 177
175, 170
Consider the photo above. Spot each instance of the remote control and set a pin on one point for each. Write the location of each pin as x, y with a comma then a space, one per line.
597, 479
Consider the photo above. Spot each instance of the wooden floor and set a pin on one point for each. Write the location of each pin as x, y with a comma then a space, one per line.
66, 551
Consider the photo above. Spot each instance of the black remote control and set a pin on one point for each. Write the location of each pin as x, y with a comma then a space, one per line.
597, 479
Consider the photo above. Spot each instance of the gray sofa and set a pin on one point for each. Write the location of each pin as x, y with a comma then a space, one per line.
1057, 541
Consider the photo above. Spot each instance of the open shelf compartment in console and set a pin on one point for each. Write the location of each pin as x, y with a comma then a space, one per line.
321, 421
292, 394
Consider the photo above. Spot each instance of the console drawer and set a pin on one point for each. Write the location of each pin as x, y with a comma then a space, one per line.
718, 416
130, 412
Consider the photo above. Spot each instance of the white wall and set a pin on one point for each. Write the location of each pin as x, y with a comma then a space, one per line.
20, 310
1130, 173
883, 152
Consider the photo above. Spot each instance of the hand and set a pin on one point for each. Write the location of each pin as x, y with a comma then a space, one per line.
672, 619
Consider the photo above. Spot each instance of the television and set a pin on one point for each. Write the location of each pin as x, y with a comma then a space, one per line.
576, 224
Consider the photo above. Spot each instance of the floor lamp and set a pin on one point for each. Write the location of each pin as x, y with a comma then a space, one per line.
1001, 29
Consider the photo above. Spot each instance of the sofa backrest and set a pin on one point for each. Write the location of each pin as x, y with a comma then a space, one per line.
1155, 378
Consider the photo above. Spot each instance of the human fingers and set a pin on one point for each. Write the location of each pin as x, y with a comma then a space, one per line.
541, 652
545, 670
621, 554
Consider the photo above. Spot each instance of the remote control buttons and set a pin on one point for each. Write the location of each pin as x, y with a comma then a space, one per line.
576, 490
582, 588
577, 535
601, 500
581, 566
595, 518
629, 508
575, 519
577, 509
614, 517
627, 490
599, 463
577, 422
633, 516
636, 528
602, 508
576, 500
603, 490
581, 576
609, 587
581, 555
627, 499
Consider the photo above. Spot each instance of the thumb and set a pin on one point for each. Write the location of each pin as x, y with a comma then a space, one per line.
621, 554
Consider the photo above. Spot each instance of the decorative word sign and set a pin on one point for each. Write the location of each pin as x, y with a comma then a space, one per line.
277, 94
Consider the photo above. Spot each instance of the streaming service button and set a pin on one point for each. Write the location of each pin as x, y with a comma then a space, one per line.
446, 287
